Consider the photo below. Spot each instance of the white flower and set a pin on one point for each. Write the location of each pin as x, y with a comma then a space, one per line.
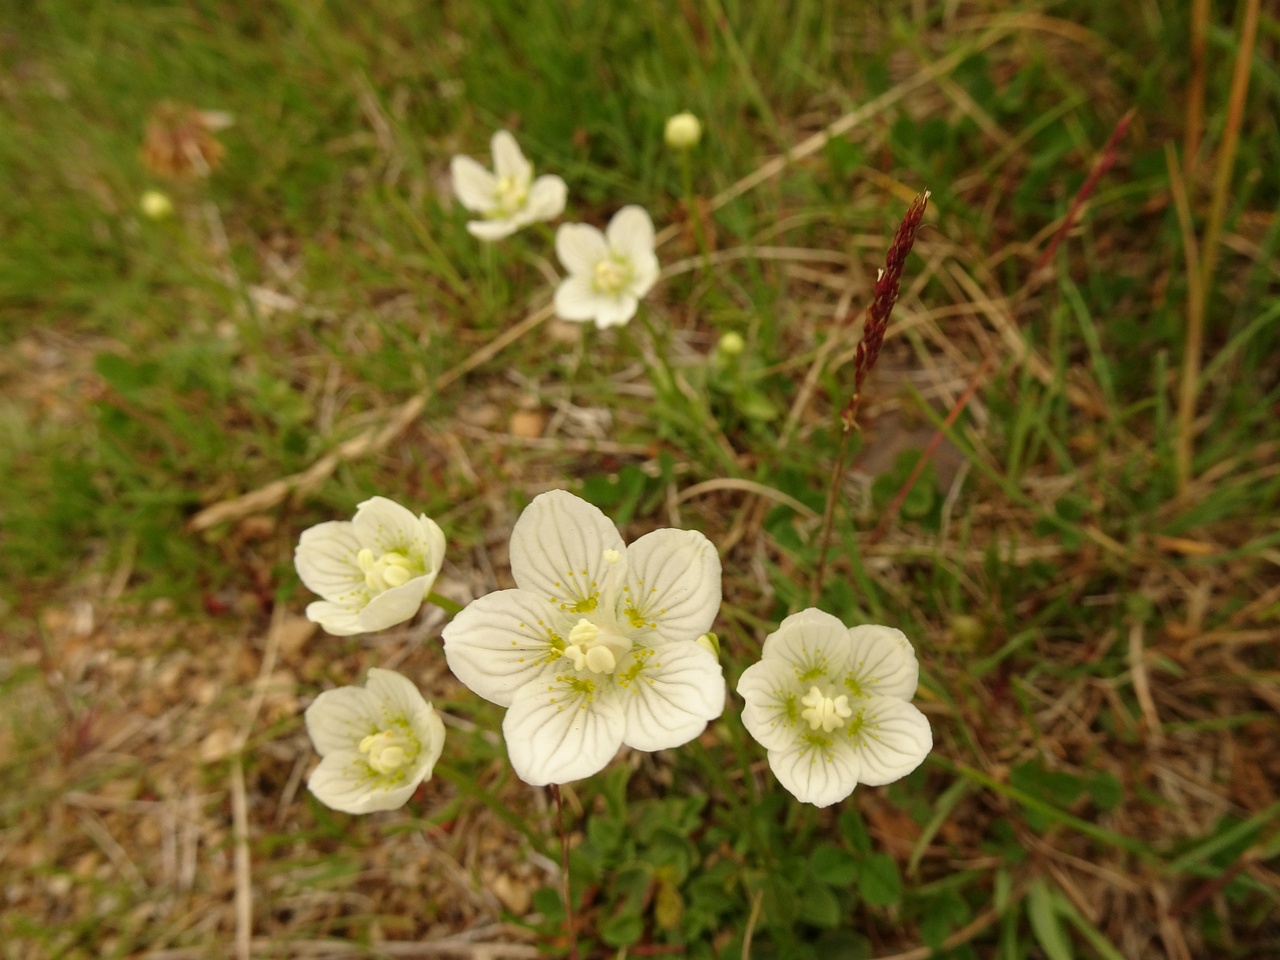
608, 272
378, 742
683, 131
830, 704
373, 572
598, 646
509, 198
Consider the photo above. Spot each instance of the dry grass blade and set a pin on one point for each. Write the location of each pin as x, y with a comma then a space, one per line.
1195, 319
1195, 90
1197, 301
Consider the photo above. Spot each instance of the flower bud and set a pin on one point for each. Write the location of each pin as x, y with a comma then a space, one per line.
731, 344
155, 205
683, 131
711, 643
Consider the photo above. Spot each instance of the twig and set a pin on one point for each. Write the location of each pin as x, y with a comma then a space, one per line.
244, 891
960, 937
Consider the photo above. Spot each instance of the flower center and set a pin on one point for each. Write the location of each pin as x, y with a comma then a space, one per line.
389, 570
510, 193
387, 751
612, 275
822, 711
595, 648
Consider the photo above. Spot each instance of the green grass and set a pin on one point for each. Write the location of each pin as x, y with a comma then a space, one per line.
145, 375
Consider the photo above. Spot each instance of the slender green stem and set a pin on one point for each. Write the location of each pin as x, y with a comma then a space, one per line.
828, 515
490, 276
691, 205
571, 927
445, 604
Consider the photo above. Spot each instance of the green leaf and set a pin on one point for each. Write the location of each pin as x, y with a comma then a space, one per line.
606, 834
547, 902
1106, 790
819, 906
834, 866
854, 830
1045, 924
879, 884
622, 929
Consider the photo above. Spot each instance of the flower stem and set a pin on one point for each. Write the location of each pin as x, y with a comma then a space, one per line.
691, 206
884, 296
445, 604
571, 927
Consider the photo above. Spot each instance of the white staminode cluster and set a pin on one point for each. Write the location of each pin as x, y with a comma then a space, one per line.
598, 647
377, 743
508, 198
373, 571
831, 705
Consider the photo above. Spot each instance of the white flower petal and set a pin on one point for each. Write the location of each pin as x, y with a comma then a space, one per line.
547, 198
615, 311
771, 713
508, 161
630, 233
383, 525
326, 562
339, 719
473, 185
580, 247
434, 554
668, 695
672, 587
503, 642
892, 739
646, 270
397, 697
558, 550
814, 773
881, 663
395, 605
577, 299
492, 229
562, 730
431, 746
815, 644
344, 782
336, 619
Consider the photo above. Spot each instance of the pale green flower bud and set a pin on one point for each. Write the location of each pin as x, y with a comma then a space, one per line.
711, 643
683, 131
155, 205
731, 344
